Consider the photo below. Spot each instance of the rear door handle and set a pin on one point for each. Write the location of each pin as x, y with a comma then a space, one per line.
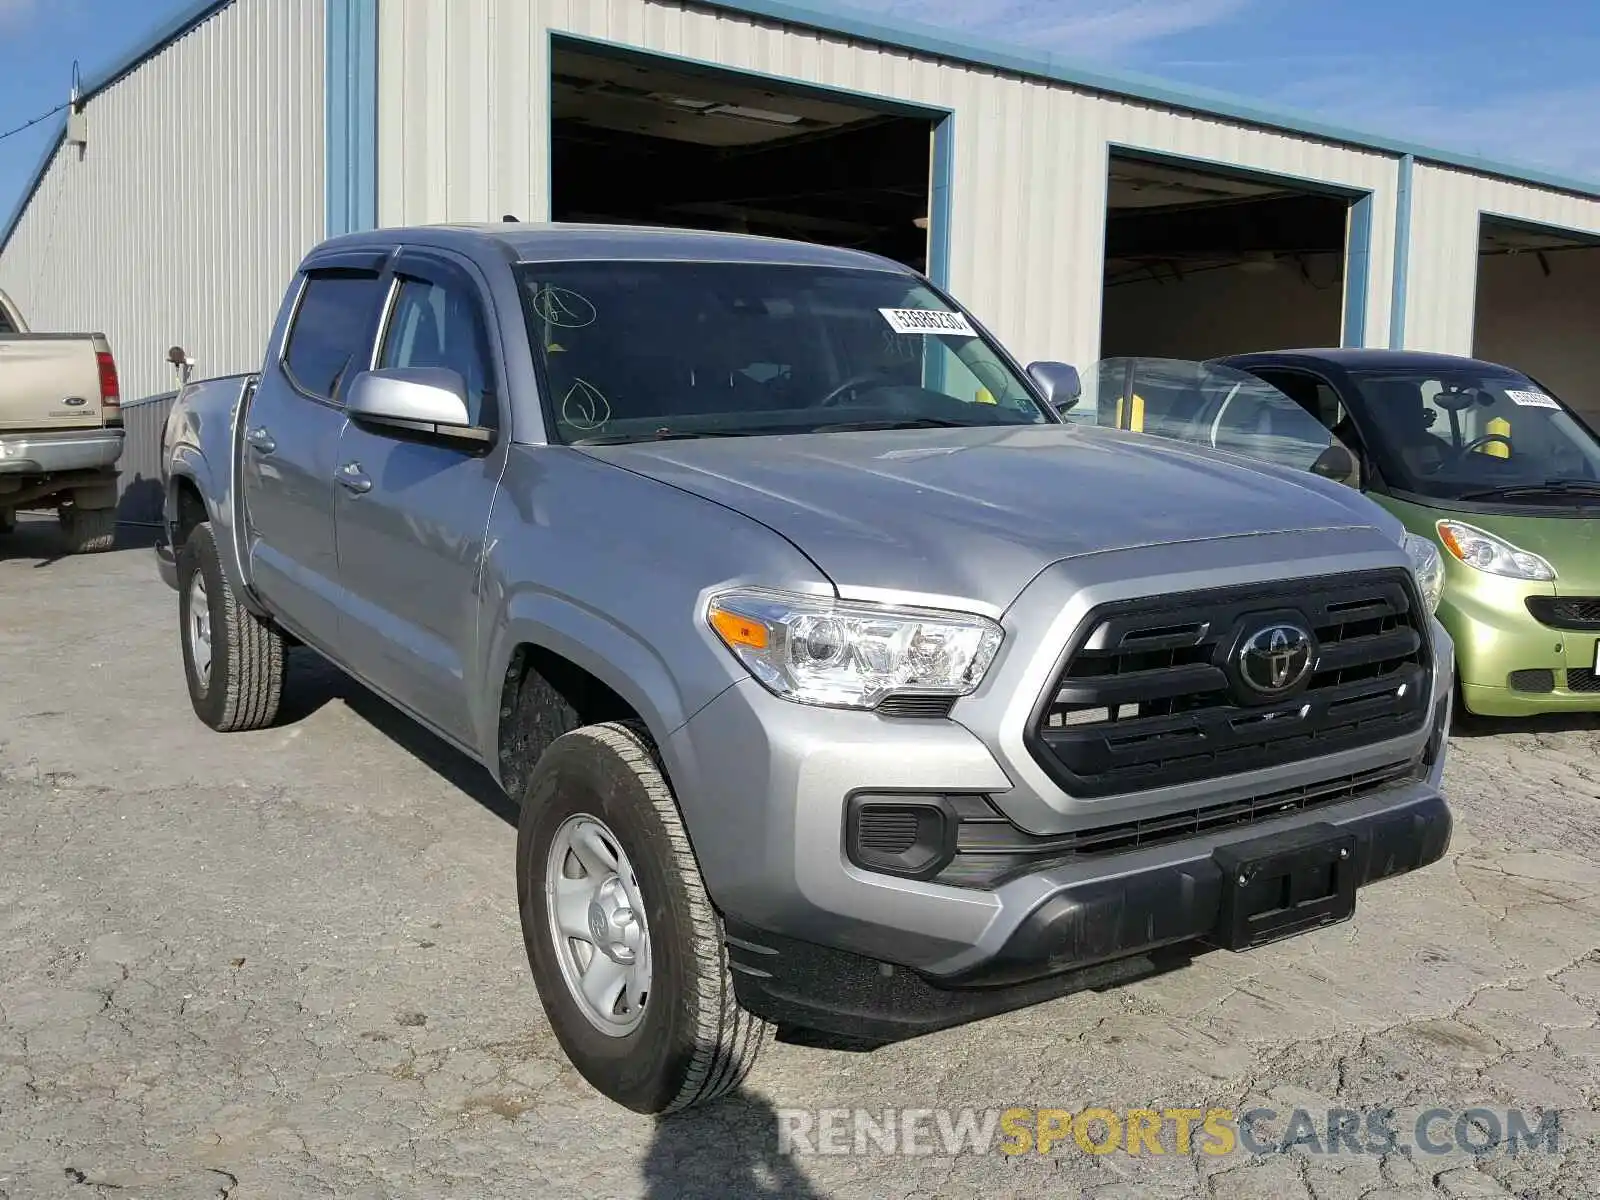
353, 478
260, 438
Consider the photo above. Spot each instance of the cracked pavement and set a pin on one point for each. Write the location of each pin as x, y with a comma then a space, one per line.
288, 964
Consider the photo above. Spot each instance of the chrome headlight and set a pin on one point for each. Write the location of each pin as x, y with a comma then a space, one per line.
849, 655
1496, 556
1428, 568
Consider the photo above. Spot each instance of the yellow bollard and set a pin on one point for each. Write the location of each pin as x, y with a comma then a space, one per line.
1135, 413
1502, 427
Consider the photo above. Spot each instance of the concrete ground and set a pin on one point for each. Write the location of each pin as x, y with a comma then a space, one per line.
288, 964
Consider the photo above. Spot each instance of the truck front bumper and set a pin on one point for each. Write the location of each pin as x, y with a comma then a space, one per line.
817, 941
57, 453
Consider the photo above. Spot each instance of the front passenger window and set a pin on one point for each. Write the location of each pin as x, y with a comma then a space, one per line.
437, 326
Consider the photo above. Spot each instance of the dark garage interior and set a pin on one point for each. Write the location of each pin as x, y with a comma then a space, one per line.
636, 141
1538, 308
1199, 264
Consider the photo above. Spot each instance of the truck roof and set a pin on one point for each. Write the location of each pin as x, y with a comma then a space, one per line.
555, 241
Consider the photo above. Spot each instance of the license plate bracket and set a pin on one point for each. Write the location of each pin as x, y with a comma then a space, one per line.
1286, 883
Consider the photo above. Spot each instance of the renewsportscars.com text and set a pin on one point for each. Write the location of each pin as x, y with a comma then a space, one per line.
1151, 1131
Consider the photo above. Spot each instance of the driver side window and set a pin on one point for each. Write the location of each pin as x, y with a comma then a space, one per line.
437, 326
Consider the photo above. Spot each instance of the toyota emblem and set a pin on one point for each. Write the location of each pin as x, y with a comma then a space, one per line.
1276, 659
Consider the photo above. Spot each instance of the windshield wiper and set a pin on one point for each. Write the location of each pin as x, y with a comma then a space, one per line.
1550, 487
897, 423
669, 435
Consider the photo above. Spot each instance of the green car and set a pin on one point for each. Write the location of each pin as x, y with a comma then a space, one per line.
1501, 474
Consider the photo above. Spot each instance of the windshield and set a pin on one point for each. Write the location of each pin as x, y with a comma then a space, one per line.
1476, 435
1213, 406
633, 351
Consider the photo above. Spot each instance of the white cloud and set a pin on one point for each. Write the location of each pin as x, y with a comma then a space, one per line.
1542, 126
1080, 28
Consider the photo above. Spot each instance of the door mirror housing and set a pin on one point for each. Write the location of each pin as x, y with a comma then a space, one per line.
1339, 464
1059, 382
425, 400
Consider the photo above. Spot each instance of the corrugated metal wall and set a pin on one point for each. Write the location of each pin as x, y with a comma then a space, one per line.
463, 134
1443, 277
200, 187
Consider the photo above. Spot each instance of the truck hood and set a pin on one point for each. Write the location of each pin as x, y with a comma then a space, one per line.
977, 513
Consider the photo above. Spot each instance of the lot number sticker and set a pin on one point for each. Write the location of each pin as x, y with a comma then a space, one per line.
928, 320
1532, 399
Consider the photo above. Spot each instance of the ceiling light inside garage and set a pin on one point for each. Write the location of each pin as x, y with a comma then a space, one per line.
716, 108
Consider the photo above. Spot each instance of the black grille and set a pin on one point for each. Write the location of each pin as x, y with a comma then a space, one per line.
1566, 612
1582, 679
887, 830
1150, 695
990, 849
1534, 679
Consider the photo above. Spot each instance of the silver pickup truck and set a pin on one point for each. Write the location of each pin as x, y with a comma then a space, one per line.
842, 685
60, 430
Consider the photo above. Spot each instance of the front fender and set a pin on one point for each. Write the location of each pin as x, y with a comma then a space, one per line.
611, 653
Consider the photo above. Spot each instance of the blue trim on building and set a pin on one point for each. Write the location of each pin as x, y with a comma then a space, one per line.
1402, 254
1357, 268
351, 129
941, 201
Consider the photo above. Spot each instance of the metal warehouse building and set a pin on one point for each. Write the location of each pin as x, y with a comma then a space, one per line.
1079, 214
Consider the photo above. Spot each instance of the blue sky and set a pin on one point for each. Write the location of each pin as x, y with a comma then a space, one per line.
1517, 82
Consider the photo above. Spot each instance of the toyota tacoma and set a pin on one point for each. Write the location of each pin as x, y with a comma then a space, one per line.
843, 685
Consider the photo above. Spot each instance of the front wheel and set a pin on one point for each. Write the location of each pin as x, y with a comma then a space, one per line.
233, 660
625, 947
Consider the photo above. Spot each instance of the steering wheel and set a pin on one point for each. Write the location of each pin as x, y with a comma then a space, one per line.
833, 398
1477, 442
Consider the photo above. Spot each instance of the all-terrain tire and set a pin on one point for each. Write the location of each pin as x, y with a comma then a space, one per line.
88, 530
244, 684
694, 1043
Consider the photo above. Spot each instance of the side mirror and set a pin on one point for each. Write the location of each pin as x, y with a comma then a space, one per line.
1336, 463
428, 400
1059, 382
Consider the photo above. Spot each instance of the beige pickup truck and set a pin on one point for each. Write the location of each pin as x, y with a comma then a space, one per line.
60, 430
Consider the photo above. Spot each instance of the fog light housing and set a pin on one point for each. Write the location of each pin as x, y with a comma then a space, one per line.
910, 836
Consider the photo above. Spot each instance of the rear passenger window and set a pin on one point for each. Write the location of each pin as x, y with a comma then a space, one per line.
332, 333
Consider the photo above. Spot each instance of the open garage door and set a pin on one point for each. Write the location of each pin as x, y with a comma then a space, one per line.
1538, 308
640, 140
1201, 264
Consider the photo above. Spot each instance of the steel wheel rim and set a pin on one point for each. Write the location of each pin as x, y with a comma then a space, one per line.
597, 925
199, 629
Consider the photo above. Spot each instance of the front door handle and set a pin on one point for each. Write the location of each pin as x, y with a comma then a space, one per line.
260, 438
353, 478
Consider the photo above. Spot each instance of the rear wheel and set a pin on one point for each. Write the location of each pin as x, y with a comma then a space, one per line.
625, 947
88, 530
233, 660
